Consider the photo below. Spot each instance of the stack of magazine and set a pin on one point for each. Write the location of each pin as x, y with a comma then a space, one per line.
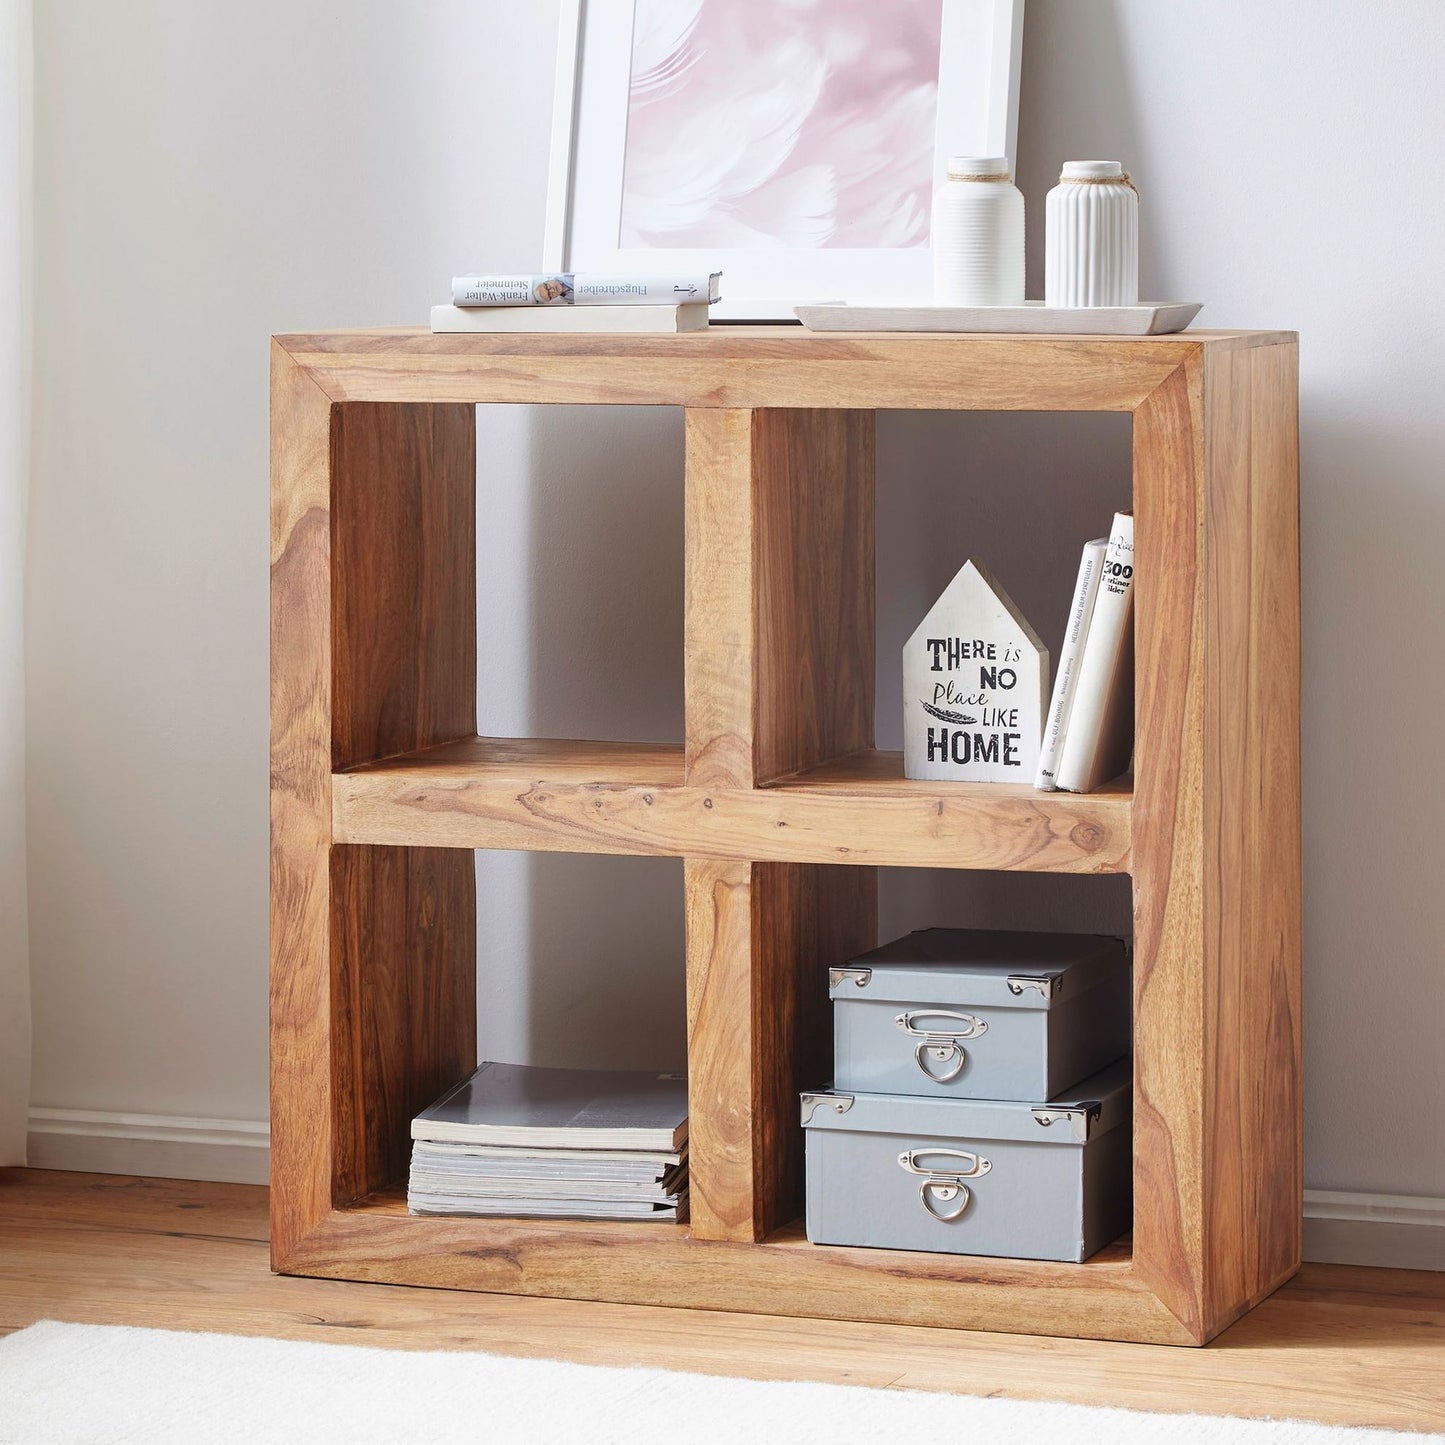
1089, 730
515, 1139
575, 301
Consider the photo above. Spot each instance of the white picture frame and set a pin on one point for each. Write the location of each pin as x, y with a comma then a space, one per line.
977, 114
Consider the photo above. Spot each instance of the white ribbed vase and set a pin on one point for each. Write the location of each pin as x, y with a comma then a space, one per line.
1091, 245
978, 235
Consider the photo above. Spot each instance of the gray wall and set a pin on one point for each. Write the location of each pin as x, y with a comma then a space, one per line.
211, 173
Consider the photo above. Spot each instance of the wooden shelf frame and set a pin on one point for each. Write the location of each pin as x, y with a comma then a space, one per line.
778, 803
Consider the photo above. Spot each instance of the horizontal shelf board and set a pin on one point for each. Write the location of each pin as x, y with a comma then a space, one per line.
564, 759
755, 366
378, 1240
538, 794
628, 798
876, 772
895, 821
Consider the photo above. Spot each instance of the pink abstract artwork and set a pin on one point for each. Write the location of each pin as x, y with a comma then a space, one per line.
781, 123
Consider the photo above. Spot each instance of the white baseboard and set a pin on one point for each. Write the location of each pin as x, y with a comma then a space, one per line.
1399, 1231
1396, 1231
233, 1151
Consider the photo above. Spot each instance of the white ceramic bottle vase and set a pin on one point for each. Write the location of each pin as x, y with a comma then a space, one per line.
978, 235
1091, 248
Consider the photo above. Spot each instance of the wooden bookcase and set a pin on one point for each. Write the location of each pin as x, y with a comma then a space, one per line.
778, 803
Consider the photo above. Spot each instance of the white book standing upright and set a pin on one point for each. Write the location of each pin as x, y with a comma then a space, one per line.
1099, 734
1081, 610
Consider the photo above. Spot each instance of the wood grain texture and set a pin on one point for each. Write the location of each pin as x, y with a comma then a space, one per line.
1253, 1156
812, 588
1275, 962
1230, 1264
373, 608
662, 1264
404, 1018
300, 998
760, 940
778, 636
755, 366
779, 675
1168, 849
719, 644
1343, 1346
1217, 837
724, 1184
129, 1204
403, 524
543, 760
804, 920
585, 797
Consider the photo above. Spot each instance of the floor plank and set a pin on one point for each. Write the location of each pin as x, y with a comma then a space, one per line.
1342, 1345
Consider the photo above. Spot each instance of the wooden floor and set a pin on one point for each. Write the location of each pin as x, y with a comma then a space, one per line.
1338, 1344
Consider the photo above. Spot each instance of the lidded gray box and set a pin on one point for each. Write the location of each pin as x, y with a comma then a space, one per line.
973, 1176
976, 1014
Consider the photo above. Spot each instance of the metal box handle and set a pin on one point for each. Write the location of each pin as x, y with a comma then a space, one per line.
939, 1053
942, 1191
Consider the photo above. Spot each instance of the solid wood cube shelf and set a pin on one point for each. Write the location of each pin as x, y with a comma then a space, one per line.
779, 805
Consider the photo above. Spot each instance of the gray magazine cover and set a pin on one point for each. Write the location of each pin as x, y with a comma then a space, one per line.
529, 1106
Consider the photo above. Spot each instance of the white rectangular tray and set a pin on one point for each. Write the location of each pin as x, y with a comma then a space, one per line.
1032, 317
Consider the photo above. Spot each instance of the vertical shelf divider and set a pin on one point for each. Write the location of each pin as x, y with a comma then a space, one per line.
373, 613
779, 676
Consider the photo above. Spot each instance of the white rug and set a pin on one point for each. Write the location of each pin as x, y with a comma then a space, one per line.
100, 1385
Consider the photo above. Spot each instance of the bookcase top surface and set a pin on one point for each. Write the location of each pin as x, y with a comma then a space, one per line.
737, 339
757, 366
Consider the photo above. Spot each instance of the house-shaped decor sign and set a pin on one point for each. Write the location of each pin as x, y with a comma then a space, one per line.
975, 685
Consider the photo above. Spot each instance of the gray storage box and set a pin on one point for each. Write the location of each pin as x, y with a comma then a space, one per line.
970, 1014
967, 1176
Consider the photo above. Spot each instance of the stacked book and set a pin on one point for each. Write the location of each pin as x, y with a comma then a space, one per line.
1089, 729
568, 301
515, 1139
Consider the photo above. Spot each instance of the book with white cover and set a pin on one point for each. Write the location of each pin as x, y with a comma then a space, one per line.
462, 1186
624, 1163
533, 1107
566, 288
510, 320
1099, 738
450, 1163
426, 1180
554, 1208
502, 1161
1086, 589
